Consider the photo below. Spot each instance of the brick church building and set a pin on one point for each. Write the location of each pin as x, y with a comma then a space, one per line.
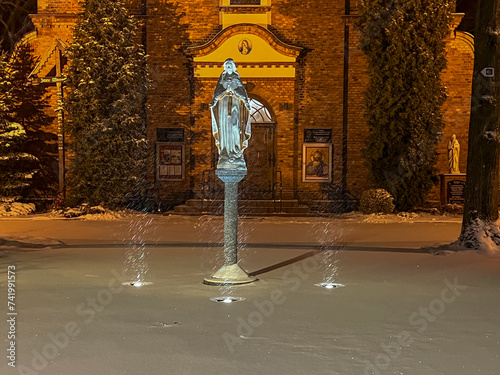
302, 70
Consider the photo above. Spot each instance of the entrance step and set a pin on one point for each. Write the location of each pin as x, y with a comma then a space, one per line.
290, 207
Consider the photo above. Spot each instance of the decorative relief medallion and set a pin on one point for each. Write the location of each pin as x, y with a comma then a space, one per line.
244, 46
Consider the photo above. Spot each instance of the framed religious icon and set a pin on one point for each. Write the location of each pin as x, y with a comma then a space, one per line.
170, 162
316, 162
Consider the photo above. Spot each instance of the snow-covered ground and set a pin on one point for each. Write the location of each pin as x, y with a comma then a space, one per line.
16, 208
402, 310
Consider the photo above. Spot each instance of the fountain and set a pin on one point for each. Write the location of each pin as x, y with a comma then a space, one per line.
231, 129
329, 235
137, 253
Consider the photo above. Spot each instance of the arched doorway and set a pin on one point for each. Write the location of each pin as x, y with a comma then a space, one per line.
260, 155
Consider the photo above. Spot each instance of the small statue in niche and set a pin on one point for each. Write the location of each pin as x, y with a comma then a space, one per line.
231, 125
453, 155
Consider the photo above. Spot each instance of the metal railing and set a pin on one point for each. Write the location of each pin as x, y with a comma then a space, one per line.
278, 186
205, 188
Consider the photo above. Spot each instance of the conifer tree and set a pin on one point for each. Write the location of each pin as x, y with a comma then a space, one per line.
404, 43
30, 110
17, 167
107, 83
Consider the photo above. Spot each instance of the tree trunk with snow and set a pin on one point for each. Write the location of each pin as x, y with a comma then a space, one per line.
479, 227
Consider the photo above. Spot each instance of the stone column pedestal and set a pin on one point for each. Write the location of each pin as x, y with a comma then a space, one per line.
231, 273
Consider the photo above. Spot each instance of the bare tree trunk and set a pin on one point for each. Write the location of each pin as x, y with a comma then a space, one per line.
479, 228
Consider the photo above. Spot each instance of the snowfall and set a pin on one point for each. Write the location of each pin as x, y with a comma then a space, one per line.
398, 306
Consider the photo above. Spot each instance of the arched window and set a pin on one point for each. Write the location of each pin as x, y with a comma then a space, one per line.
259, 113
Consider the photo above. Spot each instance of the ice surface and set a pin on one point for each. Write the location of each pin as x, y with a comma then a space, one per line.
401, 311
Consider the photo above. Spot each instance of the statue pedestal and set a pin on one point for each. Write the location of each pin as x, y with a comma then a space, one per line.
231, 273
452, 188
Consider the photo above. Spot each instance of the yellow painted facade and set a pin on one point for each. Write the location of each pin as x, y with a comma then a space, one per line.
258, 59
246, 71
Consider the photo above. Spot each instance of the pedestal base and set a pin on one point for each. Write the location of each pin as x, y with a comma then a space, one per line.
229, 275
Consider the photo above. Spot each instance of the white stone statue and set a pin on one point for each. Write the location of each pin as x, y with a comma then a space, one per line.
453, 154
230, 118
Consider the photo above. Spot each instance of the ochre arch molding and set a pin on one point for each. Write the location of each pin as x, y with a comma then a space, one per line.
266, 97
245, 28
466, 38
26, 39
265, 103
264, 56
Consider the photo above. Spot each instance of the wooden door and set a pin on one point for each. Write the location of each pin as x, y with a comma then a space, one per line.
260, 159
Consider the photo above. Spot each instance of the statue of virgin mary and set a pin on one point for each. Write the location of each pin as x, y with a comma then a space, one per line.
230, 118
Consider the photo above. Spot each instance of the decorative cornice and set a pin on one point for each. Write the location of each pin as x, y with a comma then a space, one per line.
244, 28
53, 15
267, 64
248, 65
250, 79
457, 18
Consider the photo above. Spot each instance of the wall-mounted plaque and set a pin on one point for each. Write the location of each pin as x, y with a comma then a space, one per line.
452, 187
318, 135
455, 192
170, 162
172, 135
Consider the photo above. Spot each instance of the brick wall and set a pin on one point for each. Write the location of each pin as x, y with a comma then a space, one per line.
358, 178
73, 6
317, 26
176, 99
58, 6
457, 79
456, 111
169, 96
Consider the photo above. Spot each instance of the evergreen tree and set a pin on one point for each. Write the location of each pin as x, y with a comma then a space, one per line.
107, 83
17, 167
404, 43
30, 110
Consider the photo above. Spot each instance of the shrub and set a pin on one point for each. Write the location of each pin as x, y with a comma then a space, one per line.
376, 201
